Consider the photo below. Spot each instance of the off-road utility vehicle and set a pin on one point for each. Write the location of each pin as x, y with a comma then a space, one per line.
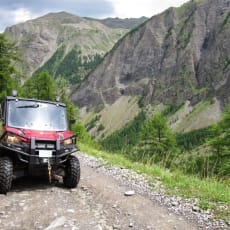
35, 141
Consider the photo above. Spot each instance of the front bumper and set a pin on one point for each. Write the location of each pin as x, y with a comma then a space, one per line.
32, 155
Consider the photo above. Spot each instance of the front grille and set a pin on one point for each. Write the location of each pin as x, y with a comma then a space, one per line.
45, 145
40, 145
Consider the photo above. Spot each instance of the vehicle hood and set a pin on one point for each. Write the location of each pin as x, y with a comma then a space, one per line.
41, 135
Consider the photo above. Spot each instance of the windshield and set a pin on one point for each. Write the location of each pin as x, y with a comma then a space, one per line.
36, 115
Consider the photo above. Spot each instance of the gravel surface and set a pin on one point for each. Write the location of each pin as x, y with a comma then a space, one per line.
155, 192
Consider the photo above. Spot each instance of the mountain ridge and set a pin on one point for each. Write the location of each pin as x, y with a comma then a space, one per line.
179, 55
64, 44
159, 62
38, 39
126, 23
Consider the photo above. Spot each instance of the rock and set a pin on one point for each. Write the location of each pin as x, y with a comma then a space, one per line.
98, 227
116, 226
21, 204
130, 193
131, 225
70, 210
74, 228
195, 208
175, 203
60, 221
84, 188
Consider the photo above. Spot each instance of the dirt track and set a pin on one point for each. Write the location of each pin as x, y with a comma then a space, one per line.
97, 203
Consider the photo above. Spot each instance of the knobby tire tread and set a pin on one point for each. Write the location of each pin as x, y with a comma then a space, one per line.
72, 176
6, 174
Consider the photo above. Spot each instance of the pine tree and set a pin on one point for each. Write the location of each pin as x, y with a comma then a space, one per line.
221, 146
40, 86
7, 55
221, 143
157, 144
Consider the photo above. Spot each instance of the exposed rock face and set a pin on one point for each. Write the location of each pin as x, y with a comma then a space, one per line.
126, 23
181, 54
39, 39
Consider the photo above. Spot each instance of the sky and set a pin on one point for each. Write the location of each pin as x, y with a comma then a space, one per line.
16, 11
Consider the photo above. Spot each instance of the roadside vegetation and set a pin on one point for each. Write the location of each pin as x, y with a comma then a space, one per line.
192, 165
211, 193
204, 152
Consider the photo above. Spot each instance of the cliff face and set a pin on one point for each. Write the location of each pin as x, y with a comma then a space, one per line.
58, 34
126, 23
181, 54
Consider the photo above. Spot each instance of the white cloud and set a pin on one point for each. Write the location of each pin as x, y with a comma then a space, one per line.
11, 17
14, 11
138, 8
21, 15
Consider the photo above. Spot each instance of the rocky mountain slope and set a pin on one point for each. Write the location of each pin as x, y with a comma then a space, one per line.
54, 39
179, 57
126, 23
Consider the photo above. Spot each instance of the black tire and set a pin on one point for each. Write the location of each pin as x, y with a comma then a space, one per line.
72, 172
6, 174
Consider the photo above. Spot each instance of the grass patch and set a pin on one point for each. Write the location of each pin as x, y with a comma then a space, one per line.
210, 192
126, 137
198, 113
93, 122
198, 109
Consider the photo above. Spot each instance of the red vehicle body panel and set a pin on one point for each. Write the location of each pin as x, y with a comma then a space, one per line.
40, 135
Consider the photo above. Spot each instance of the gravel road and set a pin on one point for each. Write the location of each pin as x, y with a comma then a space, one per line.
106, 198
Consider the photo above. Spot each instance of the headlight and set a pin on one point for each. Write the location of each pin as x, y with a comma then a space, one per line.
12, 139
69, 141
